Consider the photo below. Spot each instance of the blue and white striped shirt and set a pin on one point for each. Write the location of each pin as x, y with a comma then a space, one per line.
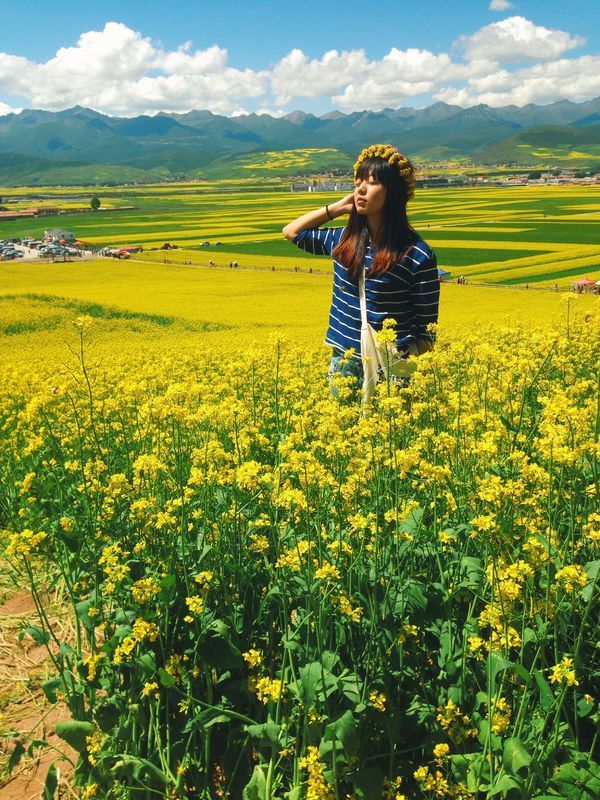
409, 292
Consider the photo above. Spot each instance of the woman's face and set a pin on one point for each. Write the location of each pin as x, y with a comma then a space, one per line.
369, 195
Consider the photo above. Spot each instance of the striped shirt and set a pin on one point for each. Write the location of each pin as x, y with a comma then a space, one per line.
409, 292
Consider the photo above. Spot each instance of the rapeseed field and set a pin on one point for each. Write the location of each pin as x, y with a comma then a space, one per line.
273, 594
534, 234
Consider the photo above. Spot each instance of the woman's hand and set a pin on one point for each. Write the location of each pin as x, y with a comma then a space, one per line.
343, 206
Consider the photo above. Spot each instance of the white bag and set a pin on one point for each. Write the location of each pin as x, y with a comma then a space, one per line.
378, 358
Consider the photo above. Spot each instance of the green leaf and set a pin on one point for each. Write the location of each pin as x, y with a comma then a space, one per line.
50, 688
578, 781
414, 596
107, 714
268, 732
147, 662
141, 769
165, 679
16, 755
168, 582
329, 660
584, 708
510, 427
51, 784
219, 651
522, 673
316, 682
463, 766
412, 523
344, 731
529, 635
592, 569
515, 757
39, 635
206, 719
450, 656
256, 789
167, 586
75, 733
509, 787
546, 694
368, 783
496, 664
82, 608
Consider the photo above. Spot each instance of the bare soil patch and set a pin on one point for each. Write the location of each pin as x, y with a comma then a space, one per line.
24, 711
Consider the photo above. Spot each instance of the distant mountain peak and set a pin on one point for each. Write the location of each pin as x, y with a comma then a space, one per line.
297, 116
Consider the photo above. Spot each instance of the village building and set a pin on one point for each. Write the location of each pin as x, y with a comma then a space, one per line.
59, 234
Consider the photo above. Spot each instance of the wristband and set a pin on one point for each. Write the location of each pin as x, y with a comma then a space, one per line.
328, 212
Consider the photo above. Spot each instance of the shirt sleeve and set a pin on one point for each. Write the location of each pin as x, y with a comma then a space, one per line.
425, 295
318, 241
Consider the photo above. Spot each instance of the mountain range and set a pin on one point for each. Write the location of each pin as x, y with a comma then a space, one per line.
81, 145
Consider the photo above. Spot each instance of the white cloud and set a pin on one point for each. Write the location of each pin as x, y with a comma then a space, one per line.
500, 5
111, 70
296, 76
398, 76
567, 78
181, 62
517, 39
4, 110
119, 70
352, 81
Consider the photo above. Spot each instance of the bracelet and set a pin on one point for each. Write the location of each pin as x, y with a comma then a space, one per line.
328, 212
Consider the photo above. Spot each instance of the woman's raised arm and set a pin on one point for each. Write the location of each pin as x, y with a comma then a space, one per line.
316, 218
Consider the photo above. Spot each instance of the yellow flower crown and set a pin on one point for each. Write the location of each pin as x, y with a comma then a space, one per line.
395, 158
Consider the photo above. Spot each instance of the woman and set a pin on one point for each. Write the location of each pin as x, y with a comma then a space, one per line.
400, 269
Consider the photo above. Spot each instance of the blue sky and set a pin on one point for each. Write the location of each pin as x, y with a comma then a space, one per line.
135, 57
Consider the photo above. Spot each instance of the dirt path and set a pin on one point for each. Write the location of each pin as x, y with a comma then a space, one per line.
23, 706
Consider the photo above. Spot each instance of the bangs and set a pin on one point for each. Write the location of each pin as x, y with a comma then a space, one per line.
376, 168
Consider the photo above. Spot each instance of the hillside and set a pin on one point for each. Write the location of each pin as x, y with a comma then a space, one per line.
81, 145
569, 145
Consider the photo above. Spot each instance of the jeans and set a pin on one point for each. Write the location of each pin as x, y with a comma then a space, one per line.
354, 369
349, 368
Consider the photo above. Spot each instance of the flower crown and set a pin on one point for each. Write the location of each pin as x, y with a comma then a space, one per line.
395, 158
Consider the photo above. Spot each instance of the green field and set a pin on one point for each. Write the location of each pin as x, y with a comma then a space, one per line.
534, 234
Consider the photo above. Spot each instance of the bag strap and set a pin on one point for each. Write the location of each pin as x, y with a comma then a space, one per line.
363, 299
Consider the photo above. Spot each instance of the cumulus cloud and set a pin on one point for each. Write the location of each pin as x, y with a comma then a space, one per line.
296, 76
568, 79
110, 70
500, 5
517, 39
118, 70
401, 74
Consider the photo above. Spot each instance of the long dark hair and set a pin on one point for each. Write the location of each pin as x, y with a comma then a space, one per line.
395, 235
